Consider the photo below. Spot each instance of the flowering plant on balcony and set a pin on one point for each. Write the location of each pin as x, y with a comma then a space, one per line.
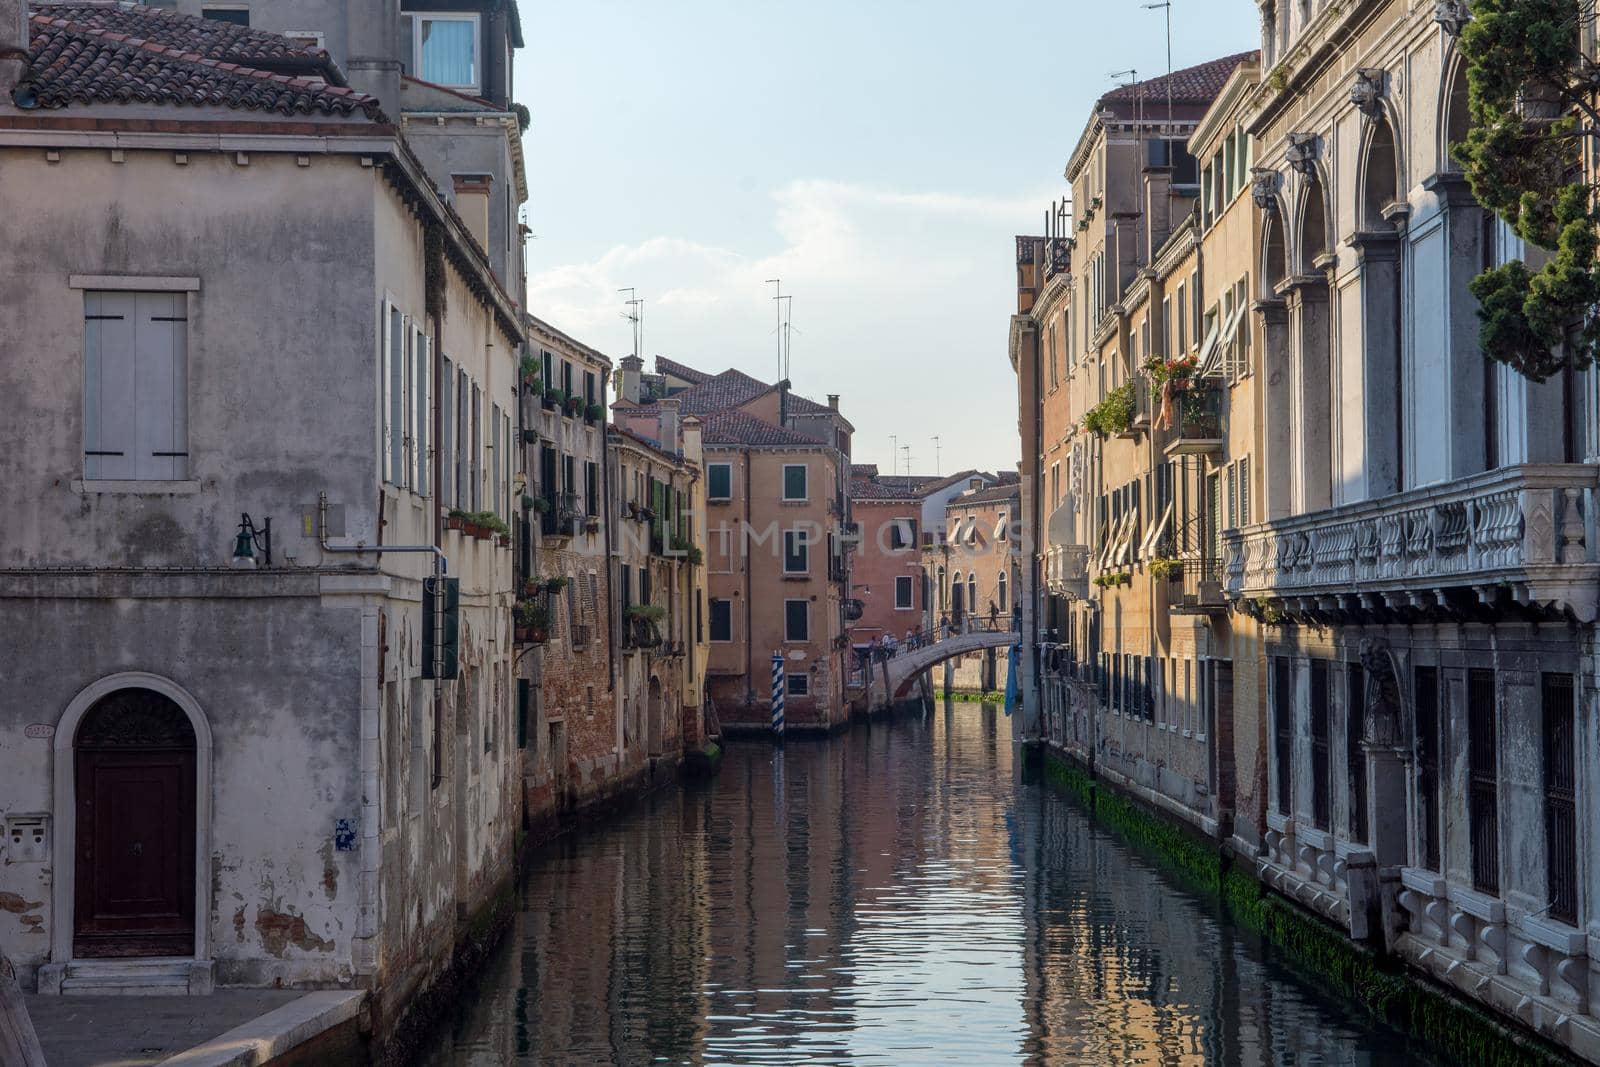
1172, 377
1114, 414
1163, 569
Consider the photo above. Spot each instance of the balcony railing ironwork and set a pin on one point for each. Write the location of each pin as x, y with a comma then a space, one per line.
1525, 532
1202, 586
1057, 256
1196, 420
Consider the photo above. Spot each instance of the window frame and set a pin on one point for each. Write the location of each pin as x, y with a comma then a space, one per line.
789, 680
910, 597
801, 550
711, 496
420, 17
788, 636
180, 470
711, 621
805, 471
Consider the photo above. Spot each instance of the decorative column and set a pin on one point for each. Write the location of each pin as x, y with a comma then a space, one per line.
1306, 298
1382, 392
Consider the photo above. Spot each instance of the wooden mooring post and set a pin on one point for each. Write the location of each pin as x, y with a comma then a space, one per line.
19, 1044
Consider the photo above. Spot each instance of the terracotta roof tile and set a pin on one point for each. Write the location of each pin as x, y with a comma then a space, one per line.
992, 494
738, 428
225, 42
1198, 84
680, 370
727, 390
167, 62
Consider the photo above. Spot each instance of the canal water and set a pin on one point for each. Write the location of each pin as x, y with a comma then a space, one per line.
898, 895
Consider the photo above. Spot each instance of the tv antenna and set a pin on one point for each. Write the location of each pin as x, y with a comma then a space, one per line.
777, 302
907, 450
894, 452
635, 315
936, 455
786, 326
1166, 5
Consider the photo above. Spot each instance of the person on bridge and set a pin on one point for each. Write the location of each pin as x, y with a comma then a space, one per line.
911, 638
994, 616
944, 627
888, 645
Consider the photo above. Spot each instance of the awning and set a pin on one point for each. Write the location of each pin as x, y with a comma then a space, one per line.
1220, 357
1208, 352
1157, 528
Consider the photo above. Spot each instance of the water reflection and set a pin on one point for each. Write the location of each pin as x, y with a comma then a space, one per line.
897, 896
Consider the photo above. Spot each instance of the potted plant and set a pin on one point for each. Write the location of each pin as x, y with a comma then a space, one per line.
556, 584
574, 404
532, 587
1114, 414
529, 368
456, 520
530, 622
690, 552
530, 436
595, 413
527, 502
643, 618
591, 524
554, 398
540, 505
1165, 569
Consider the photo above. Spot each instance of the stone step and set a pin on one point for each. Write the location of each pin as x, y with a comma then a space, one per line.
128, 978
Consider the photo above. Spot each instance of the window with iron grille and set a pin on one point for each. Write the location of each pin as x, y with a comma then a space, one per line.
1147, 694
1355, 715
1320, 787
1560, 798
1425, 688
1283, 732
1483, 781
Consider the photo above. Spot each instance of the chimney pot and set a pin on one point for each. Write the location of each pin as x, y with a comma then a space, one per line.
632, 371
833, 401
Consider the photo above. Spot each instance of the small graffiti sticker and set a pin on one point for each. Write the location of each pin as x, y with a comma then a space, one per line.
344, 835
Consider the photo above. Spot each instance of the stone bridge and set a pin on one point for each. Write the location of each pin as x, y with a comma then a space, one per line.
893, 679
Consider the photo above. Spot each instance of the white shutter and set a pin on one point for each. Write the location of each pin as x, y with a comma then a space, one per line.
463, 428
395, 435
110, 385
159, 334
408, 410
475, 448
446, 445
424, 414
385, 377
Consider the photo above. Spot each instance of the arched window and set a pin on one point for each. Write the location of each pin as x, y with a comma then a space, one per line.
1396, 444
972, 592
1311, 329
1004, 605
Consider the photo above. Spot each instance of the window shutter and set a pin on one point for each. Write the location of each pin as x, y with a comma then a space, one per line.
447, 434
385, 388
424, 410
494, 469
108, 385
1244, 491
159, 337
463, 428
476, 447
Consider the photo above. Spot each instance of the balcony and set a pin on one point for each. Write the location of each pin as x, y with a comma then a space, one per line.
1201, 594
1196, 421
1057, 256
1517, 537
1066, 571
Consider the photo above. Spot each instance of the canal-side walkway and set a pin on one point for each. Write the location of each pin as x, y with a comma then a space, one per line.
226, 1028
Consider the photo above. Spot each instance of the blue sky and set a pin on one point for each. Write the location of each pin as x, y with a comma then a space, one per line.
878, 156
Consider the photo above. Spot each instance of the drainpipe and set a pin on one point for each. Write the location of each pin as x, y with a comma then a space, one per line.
744, 550
611, 622
436, 482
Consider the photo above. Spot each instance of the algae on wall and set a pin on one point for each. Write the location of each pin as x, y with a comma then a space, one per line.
1461, 1033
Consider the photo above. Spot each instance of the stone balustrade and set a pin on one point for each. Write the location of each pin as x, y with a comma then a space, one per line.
1066, 570
1525, 532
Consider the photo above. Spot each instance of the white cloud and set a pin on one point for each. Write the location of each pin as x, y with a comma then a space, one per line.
901, 301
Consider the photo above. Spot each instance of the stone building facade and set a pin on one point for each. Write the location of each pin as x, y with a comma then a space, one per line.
777, 554
974, 577
301, 804
1394, 605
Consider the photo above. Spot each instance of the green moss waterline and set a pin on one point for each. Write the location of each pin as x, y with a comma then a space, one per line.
1459, 1032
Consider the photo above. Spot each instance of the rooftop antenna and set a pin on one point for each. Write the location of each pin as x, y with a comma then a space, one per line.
1138, 124
785, 319
1167, 6
894, 452
777, 301
635, 315
936, 455
907, 450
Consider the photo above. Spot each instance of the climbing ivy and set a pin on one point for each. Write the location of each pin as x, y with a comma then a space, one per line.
1525, 75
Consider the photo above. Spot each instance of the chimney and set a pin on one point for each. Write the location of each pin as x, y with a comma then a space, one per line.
693, 448
833, 401
13, 46
472, 204
667, 426
632, 370
373, 63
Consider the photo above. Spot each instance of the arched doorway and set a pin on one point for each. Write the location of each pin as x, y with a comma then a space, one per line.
134, 757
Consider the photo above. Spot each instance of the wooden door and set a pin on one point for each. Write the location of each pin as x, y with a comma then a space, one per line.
135, 782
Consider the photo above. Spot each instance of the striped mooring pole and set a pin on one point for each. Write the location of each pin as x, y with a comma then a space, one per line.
777, 694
